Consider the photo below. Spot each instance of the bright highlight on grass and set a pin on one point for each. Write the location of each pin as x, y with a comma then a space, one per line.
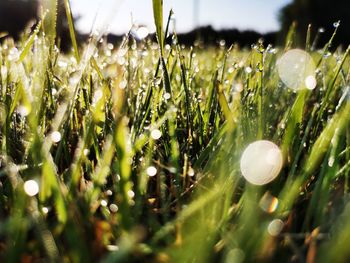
31, 187
261, 162
156, 134
151, 171
56, 136
310, 82
275, 227
268, 203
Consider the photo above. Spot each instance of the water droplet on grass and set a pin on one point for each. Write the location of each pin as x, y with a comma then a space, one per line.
31, 187
86, 152
275, 227
327, 54
56, 136
167, 96
123, 84
190, 172
331, 161
45, 210
310, 82
157, 81
13, 54
268, 203
114, 208
53, 92
151, 171
248, 70
62, 64
336, 24
131, 194
156, 134
23, 110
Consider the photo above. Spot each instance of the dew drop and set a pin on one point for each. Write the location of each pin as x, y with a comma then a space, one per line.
156, 134
167, 96
268, 203
336, 24
275, 227
190, 172
131, 194
248, 70
86, 152
62, 64
114, 208
56, 136
238, 87
31, 187
310, 82
23, 110
54, 92
45, 210
123, 84
151, 171
331, 161
172, 170
327, 54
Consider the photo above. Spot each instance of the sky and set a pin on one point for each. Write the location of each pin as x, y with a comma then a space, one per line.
117, 15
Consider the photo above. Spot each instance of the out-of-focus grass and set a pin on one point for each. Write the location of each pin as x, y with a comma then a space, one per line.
85, 126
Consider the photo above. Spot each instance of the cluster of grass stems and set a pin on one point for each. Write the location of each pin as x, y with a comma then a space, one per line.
97, 200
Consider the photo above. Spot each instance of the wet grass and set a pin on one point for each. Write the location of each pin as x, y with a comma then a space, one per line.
85, 126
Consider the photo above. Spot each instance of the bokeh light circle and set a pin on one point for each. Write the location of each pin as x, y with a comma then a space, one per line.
296, 67
261, 162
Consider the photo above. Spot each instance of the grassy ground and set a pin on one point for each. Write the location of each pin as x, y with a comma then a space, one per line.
136, 150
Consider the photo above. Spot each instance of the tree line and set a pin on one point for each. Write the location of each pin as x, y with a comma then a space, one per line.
15, 15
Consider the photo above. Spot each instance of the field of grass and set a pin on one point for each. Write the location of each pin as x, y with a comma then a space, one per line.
131, 152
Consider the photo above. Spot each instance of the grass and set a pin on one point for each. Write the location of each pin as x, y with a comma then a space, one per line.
100, 197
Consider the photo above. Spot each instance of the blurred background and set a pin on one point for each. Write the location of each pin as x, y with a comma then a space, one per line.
232, 20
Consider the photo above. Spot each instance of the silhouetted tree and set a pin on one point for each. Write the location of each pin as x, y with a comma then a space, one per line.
321, 14
15, 15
